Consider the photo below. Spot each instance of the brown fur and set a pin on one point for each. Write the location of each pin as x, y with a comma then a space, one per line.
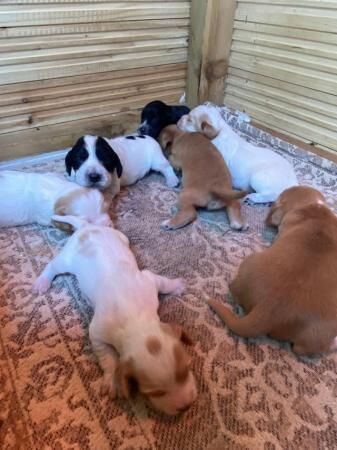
63, 207
153, 345
182, 363
289, 291
207, 182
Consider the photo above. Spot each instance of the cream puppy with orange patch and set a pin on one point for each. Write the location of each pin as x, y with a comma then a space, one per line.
260, 171
34, 198
130, 341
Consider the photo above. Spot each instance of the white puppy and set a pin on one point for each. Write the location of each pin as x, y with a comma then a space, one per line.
35, 197
252, 168
125, 321
111, 163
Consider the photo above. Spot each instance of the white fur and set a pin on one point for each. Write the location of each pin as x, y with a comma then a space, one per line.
31, 197
125, 300
137, 157
252, 168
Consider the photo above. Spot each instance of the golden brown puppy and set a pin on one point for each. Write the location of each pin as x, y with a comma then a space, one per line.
289, 291
206, 179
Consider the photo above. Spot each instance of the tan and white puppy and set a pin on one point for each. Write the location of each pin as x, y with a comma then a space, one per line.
289, 291
205, 178
34, 198
130, 341
260, 171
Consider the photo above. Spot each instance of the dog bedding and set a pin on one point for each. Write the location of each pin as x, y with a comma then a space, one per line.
253, 394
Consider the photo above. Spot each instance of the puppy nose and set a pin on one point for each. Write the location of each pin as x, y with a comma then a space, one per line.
184, 408
94, 177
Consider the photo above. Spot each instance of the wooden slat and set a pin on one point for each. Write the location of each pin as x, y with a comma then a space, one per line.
28, 87
290, 16
285, 72
26, 97
276, 104
93, 27
43, 118
22, 72
321, 4
45, 14
297, 33
291, 48
62, 135
88, 51
285, 122
284, 86
87, 39
99, 95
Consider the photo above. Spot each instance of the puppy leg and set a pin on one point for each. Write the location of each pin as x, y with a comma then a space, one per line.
107, 359
161, 165
53, 268
165, 285
186, 210
234, 215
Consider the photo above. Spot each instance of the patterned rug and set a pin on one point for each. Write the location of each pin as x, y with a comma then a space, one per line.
253, 394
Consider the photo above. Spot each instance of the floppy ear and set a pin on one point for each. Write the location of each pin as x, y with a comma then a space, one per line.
109, 158
177, 112
73, 154
177, 331
165, 139
274, 216
124, 376
208, 130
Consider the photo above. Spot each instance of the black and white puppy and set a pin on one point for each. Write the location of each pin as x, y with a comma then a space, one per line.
110, 163
157, 115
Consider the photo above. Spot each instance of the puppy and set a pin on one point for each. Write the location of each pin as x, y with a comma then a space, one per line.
206, 179
111, 163
289, 291
130, 341
34, 197
252, 168
157, 115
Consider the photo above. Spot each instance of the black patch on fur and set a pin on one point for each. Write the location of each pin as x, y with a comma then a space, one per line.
158, 115
141, 136
108, 157
76, 156
130, 137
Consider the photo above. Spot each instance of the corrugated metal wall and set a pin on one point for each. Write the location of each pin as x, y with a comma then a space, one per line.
283, 66
68, 66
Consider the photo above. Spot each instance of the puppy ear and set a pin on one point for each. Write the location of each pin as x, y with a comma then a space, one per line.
108, 157
177, 112
177, 331
274, 216
73, 155
208, 130
125, 378
166, 139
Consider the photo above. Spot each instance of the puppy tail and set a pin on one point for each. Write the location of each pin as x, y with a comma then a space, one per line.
251, 325
75, 222
228, 194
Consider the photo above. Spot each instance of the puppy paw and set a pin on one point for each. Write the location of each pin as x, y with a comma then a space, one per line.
166, 225
239, 226
172, 181
108, 386
41, 285
179, 286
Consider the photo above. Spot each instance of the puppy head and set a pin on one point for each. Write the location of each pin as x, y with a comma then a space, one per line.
156, 115
93, 163
160, 368
291, 199
203, 119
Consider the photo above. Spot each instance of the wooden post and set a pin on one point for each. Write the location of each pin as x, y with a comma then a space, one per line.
209, 49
